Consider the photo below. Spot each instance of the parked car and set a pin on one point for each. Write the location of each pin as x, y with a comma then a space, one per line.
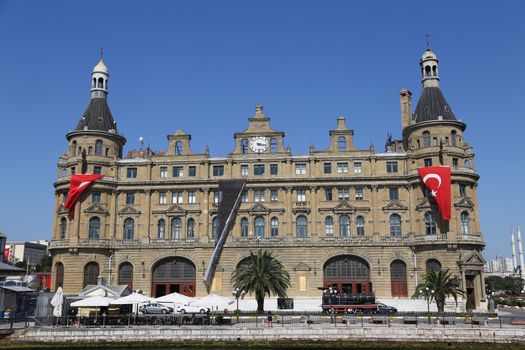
155, 308
385, 309
192, 309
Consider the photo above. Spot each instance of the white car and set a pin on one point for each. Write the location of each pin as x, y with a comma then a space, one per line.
192, 309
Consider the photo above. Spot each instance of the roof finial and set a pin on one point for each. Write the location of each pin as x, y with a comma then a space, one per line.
101, 52
428, 41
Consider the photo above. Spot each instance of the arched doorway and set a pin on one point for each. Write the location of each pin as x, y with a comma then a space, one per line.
349, 274
173, 274
398, 279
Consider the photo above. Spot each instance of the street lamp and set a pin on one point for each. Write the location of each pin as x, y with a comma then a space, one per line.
236, 294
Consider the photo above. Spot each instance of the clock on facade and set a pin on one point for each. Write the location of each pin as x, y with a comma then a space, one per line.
259, 144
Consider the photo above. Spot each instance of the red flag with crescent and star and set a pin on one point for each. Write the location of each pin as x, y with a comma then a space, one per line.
437, 180
77, 185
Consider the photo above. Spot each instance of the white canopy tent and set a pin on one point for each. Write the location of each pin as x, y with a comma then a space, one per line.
58, 302
96, 301
175, 298
213, 301
134, 299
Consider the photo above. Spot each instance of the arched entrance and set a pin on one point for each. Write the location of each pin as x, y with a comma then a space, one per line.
349, 274
173, 274
398, 279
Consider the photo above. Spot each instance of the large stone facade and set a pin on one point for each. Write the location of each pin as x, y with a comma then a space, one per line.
356, 218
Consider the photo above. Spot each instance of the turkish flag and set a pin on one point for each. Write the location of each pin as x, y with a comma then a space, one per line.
77, 185
437, 180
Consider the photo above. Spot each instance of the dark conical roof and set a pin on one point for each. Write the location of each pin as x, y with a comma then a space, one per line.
432, 105
97, 116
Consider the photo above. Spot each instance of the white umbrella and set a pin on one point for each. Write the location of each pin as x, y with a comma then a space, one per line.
175, 298
57, 302
213, 301
96, 301
133, 298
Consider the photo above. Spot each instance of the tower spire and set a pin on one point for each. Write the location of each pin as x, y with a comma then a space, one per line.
427, 36
429, 68
513, 245
520, 252
99, 78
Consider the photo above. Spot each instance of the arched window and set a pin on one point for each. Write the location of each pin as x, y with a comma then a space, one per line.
129, 229
244, 146
430, 223
215, 228
433, 265
59, 275
63, 228
274, 227
91, 272
74, 148
465, 223
453, 139
360, 225
426, 139
398, 278
427, 71
161, 229
244, 227
274, 147
100, 83
176, 228
341, 143
190, 228
94, 83
434, 71
98, 147
94, 228
258, 225
395, 225
344, 226
329, 226
125, 274
178, 148
467, 163
301, 229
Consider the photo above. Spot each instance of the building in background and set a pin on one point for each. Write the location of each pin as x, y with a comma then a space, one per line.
3, 239
501, 267
31, 252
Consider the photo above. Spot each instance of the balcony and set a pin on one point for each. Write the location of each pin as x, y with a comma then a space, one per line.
173, 242
341, 240
430, 238
394, 239
471, 238
95, 243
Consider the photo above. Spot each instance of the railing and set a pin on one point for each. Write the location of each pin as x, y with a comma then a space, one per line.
128, 242
174, 241
302, 204
394, 239
427, 238
94, 242
472, 238
352, 239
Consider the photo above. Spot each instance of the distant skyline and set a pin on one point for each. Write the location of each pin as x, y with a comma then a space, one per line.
203, 66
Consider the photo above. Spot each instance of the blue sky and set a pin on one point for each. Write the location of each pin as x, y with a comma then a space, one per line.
202, 66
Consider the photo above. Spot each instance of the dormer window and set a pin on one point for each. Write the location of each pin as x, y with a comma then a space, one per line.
178, 148
274, 146
244, 146
426, 139
341, 143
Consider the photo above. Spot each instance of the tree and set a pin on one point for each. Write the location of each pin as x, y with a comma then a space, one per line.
261, 274
438, 285
508, 285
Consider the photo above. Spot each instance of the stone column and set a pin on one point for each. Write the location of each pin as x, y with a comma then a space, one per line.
374, 189
147, 193
313, 207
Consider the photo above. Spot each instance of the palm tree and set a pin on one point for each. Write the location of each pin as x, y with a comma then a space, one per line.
262, 274
438, 285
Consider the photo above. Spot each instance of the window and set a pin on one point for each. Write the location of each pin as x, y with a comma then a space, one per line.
98, 147
90, 150
258, 169
177, 197
73, 170
192, 197
301, 229
426, 192
391, 167
163, 172
328, 194
360, 225
341, 143
215, 228
192, 170
178, 171
430, 223
393, 193
91, 272
97, 169
218, 170
95, 197
125, 274
63, 228
359, 194
465, 223
274, 147
244, 146
130, 198
259, 196
162, 197
329, 226
244, 227
217, 197
343, 194
161, 229
59, 280
342, 168
131, 173
300, 169
462, 190
244, 196
303, 283
301, 195
358, 168
178, 148
274, 169
454, 163
433, 265
467, 163
327, 168
244, 170
129, 228
274, 227
426, 139
344, 226
274, 195
259, 226
427, 161
434, 141
94, 228
395, 225
176, 228
190, 228
453, 138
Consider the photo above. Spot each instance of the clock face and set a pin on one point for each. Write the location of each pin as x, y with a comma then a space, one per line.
259, 144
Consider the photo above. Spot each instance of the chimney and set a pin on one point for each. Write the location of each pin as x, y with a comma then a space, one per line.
406, 107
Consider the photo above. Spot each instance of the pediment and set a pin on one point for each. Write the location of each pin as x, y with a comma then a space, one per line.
302, 267
176, 209
473, 258
62, 210
96, 208
344, 207
129, 210
395, 205
425, 204
464, 203
258, 208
